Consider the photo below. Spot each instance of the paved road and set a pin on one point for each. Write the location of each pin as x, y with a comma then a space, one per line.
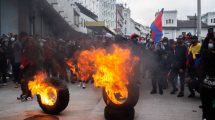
88, 105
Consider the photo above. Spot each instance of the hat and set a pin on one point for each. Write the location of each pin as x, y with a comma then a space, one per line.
165, 39
194, 38
180, 37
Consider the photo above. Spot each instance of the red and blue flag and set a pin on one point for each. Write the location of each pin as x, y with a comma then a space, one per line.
156, 28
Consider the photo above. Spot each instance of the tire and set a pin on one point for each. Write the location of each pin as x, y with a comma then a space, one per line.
115, 114
62, 100
131, 101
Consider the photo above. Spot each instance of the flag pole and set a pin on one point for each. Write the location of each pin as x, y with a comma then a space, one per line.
199, 24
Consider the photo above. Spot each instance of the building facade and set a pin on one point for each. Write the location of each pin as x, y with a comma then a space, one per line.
131, 26
127, 22
209, 18
76, 12
119, 19
31, 16
169, 22
172, 27
107, 12
55, 17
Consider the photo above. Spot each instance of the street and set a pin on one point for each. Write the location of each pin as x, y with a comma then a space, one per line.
87, 104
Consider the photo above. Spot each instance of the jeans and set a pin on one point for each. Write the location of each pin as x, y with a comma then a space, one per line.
16, 73
174, 79
157, 81
3, 72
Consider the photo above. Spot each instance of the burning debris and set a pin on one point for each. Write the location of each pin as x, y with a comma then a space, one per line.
41, 87
111, 69
52, 94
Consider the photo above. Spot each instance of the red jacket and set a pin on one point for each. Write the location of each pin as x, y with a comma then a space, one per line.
25, 61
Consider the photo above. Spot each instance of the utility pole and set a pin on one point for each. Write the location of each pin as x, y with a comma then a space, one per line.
199, 20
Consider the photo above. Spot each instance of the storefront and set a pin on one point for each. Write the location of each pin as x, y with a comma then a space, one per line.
36, 17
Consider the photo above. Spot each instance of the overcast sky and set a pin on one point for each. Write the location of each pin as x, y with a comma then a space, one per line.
143, 11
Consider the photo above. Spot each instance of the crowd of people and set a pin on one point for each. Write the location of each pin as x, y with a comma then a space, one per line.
21, 56
186, 60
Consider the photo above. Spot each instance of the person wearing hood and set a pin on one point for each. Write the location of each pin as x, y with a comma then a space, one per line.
208, 81
210, 35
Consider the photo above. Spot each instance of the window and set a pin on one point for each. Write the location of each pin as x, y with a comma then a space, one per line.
82, 22
166, 21
211, 20
76, 18
85, 23
172, 21
214, 20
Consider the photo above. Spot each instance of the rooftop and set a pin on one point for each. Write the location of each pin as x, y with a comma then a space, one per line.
87, 12
189, 24
170, 11
206, 14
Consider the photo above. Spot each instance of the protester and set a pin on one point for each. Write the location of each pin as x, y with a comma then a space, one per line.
165, 65
3, 61
171, 76
157, 77
17, 49
49, 50
31, 63
209, 36
193, 56
179, 66
208, 81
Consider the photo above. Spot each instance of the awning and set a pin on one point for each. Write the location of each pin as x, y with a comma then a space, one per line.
56, 22
99, 28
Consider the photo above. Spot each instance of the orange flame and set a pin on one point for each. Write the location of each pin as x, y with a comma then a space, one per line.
72, 67
110, 70
40, 87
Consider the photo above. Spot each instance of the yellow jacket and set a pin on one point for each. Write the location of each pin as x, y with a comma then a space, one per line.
195, 49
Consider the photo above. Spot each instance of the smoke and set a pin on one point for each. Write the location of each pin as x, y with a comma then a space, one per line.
147, 59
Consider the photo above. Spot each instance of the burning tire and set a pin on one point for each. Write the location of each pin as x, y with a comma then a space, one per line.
61, 100
115, 114
128, 103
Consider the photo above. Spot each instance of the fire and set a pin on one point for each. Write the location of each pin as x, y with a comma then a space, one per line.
109, 69
72, 67
40, 87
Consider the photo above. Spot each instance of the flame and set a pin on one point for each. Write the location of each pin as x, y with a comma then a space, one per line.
40, 87
109, 69
72, 67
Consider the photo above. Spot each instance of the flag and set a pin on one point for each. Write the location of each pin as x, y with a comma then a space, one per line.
156, 28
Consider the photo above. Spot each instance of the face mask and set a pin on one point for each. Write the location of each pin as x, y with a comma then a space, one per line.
150, 40
12, 39
165, 43
210, 45
188, 44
